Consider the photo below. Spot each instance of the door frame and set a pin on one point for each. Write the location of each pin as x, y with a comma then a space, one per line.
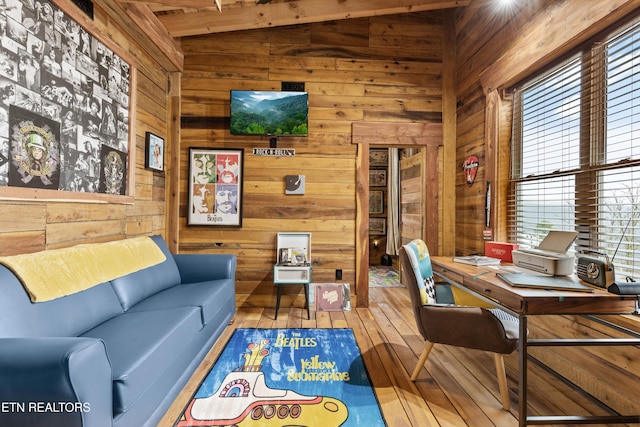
393, 135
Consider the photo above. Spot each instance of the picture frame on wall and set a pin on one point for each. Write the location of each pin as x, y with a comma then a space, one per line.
379, 157
154, 152
215, 187
67, 91
376, 202
377, 178
377, 226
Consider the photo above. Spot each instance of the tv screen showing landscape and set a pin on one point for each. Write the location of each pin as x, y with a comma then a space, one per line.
256, 112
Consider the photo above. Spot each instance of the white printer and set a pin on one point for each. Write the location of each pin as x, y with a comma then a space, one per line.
550, 256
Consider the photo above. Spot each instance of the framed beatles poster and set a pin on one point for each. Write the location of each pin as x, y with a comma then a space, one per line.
215, 187
65, 105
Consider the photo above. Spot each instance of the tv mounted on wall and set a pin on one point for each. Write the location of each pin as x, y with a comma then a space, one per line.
257, 112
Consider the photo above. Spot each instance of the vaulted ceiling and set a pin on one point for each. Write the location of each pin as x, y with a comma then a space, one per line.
166, 21
216, 16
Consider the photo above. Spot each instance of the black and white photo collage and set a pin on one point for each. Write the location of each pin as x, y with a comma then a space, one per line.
54, 68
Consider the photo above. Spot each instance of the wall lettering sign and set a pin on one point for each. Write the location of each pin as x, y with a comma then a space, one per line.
275, 152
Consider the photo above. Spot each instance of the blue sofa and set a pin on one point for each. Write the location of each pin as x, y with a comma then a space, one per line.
116, 354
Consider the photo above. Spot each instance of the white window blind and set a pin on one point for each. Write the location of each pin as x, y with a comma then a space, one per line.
576, 152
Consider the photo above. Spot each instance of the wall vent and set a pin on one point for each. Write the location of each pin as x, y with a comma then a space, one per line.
86, 6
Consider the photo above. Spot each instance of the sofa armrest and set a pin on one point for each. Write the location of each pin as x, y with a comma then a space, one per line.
202, 267
55, 382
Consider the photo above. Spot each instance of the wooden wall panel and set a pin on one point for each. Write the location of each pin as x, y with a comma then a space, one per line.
23, 216
382, 69
31, 226
482, 38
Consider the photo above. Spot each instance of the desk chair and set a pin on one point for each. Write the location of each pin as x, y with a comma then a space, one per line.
441, 321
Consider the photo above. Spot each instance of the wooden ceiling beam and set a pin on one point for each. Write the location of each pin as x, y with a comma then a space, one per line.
178, 4
143, 26
293, 13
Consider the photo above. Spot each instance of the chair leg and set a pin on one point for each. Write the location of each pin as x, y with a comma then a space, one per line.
423, 358
502, 380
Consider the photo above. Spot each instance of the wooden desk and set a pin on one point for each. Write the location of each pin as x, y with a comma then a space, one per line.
483, 283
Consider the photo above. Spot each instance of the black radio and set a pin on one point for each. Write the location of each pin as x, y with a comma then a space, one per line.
596, 271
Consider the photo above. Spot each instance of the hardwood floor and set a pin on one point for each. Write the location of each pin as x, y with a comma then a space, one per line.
457, 387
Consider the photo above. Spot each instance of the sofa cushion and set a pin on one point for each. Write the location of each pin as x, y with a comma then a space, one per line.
141, 345
211, 297
139, 285
63, 317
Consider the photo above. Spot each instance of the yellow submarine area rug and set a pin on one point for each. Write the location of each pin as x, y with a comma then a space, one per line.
286, 377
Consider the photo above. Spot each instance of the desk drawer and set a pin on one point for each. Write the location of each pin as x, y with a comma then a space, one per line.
499, 294
451, 275
476, 284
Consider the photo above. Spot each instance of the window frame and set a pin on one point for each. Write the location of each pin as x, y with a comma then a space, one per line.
592, 142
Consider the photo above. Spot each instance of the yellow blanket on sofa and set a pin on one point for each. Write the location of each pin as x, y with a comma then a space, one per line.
52, 274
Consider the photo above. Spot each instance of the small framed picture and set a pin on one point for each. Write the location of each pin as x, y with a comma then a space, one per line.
379, 157
377, 226
376, 202
377, 178
154, 154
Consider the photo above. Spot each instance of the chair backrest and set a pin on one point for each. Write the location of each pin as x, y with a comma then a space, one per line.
420, 265
415, 271
409, 278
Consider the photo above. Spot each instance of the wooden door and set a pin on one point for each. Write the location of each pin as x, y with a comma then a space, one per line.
412, 192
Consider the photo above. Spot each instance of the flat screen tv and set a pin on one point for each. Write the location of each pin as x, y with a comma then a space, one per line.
258, 112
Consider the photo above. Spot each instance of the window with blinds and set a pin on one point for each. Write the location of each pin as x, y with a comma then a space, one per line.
576, 153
